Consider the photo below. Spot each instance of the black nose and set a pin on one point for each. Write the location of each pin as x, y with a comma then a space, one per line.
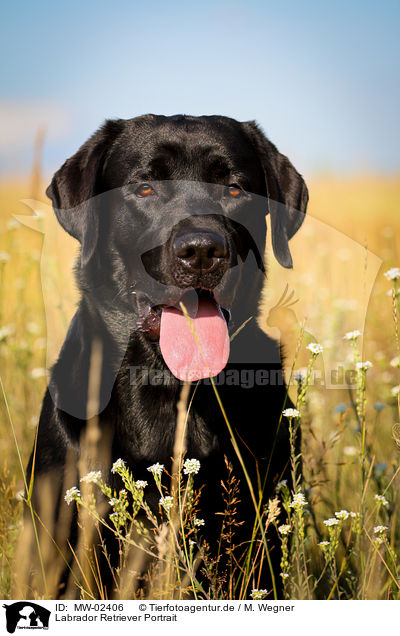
200, 251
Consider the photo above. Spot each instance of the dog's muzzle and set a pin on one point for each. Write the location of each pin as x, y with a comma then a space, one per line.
200, 258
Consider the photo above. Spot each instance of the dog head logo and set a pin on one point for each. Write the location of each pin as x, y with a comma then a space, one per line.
26, 615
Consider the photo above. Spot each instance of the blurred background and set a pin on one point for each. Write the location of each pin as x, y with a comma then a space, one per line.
321, 79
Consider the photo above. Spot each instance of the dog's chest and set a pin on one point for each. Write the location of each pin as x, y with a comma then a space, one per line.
148, 422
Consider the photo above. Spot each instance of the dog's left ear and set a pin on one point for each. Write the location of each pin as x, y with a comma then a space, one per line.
76, 183
286, 191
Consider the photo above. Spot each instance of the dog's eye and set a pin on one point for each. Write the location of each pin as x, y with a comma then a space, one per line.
144, 190
235, 191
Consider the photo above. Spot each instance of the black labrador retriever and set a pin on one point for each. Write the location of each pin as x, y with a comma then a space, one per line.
172, 210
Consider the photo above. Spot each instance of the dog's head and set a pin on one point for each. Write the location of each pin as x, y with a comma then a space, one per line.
171, 210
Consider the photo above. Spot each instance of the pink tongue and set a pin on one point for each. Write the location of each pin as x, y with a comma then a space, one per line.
189, 358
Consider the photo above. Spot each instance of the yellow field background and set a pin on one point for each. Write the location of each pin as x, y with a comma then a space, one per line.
36, 304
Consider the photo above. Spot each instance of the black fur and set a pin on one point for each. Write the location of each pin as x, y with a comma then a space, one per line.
140, 420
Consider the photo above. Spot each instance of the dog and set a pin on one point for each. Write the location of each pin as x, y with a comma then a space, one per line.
170, 213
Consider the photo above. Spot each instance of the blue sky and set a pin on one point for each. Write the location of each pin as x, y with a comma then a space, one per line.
322, 79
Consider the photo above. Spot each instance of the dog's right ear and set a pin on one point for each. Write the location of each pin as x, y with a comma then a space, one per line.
76, 183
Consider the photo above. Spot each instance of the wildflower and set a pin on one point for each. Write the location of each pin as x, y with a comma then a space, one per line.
281, 484
284, 575
4, 257
340, 408
118, 465
141, 483
33, 327
300, 375
37, 373
393, 273
284, 530
273, 510
191, 467
291, 413
364, 366
379, 406
257, 595
381, 499
324, 544
395, 362
395, 390
378, 540
6, 331
380, 529
20, 495
342, 515
354, 515
298, 501
315, 348
198, 522
331, 522
113, 502
350, 451
387, 231
72, 494
352, 335
91, 478
167, 502
156, 469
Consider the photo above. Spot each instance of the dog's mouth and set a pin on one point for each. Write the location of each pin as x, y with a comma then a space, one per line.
193, 334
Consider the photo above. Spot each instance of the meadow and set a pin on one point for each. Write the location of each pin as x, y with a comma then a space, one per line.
341, 539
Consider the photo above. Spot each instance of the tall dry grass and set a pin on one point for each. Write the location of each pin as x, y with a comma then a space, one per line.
350, 434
